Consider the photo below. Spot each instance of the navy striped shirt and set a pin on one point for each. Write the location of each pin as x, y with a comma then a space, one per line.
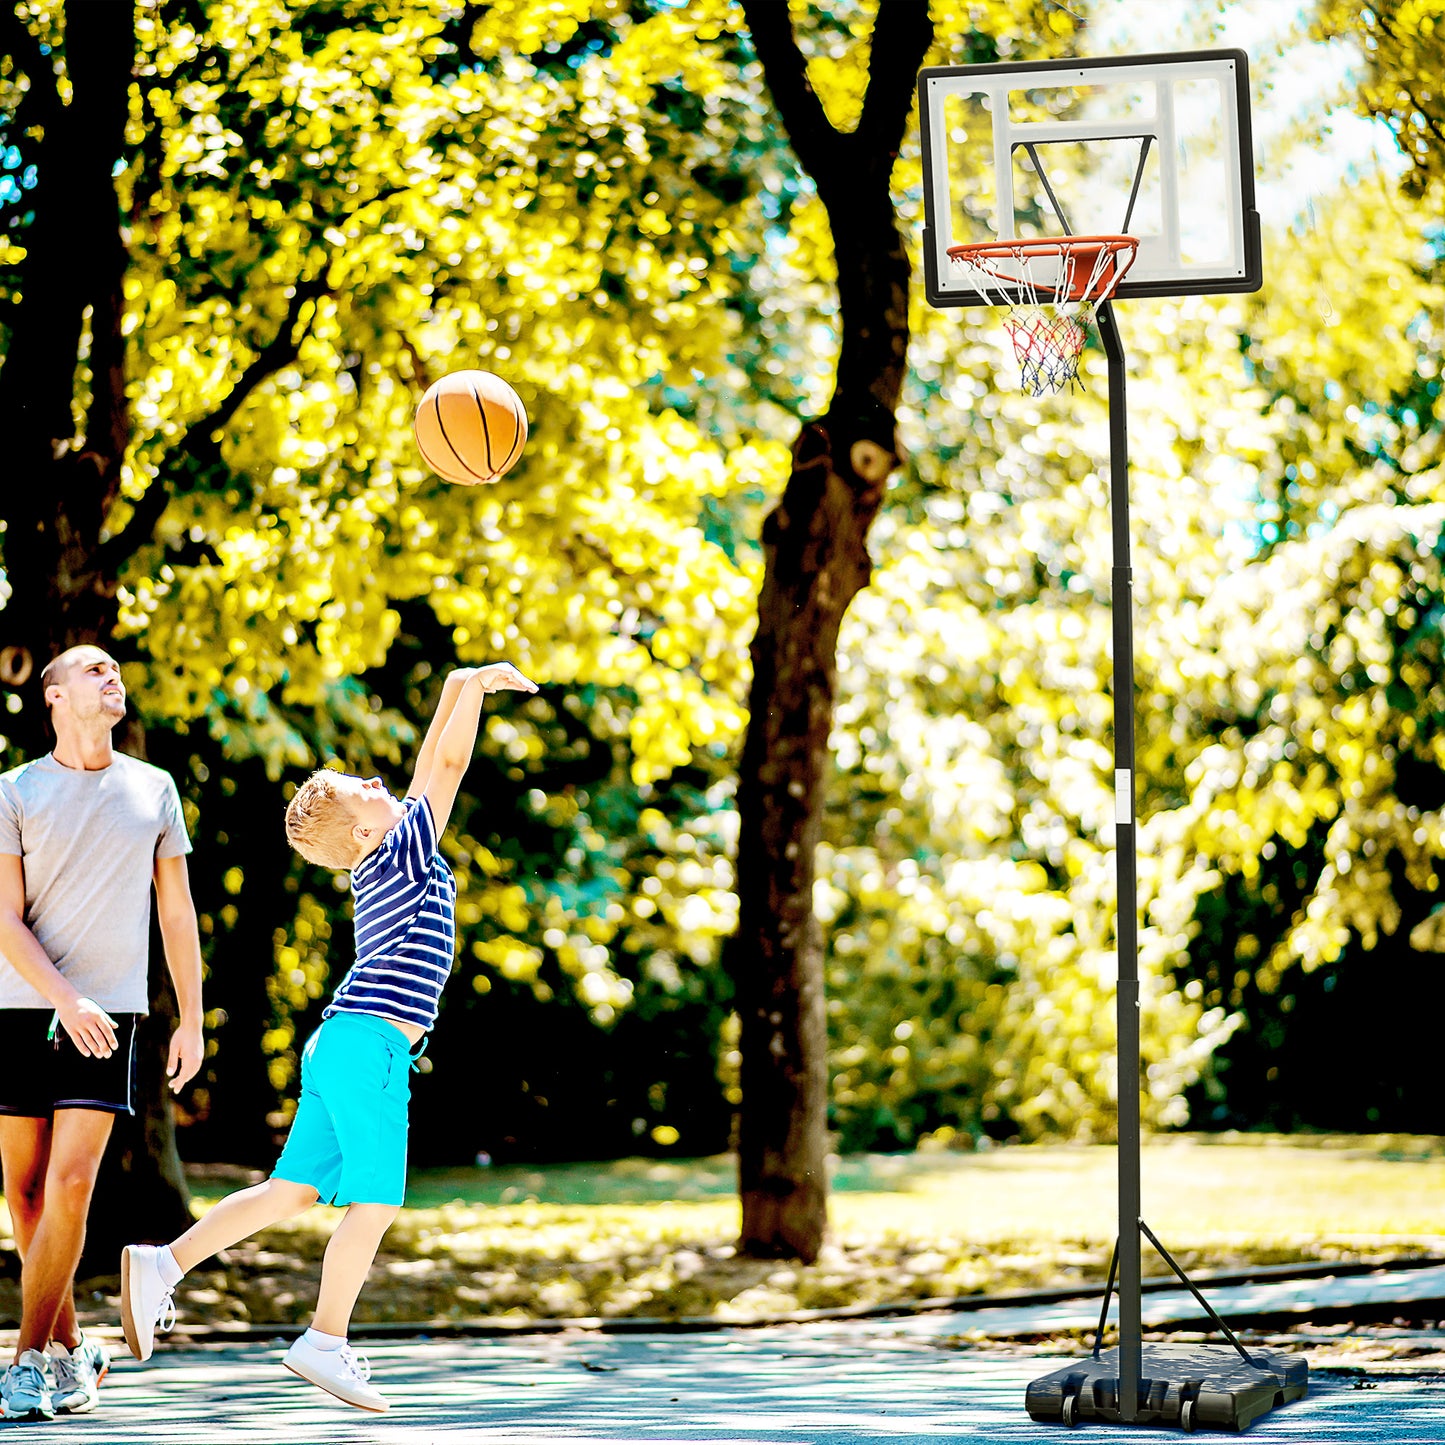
405, 901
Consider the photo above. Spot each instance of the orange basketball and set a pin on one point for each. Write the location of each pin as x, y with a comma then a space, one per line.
470, 427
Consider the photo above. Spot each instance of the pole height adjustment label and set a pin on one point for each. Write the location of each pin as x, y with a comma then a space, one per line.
1123, 795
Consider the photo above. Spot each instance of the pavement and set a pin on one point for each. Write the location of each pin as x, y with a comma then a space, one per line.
1418, 1291
939, 1376
803, 1383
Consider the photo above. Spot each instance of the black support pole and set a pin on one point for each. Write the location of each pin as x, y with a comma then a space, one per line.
1197, 1385
1126, 926
1186, 1385
1194, 1385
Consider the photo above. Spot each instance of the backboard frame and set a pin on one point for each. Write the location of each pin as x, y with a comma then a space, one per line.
944, 283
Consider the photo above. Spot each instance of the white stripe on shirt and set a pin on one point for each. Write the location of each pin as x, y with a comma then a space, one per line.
402, 892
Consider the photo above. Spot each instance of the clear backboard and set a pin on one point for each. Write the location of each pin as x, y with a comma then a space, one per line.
1152, 146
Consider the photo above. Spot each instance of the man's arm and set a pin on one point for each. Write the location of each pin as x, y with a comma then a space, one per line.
85, 1021
177, 915
453, 751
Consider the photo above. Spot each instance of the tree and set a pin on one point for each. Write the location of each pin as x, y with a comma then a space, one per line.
1326, 769
964, 873
1327, 778
816, 561
66, 317
309, 213
967, 870
66, 309
847, 117
1403, 45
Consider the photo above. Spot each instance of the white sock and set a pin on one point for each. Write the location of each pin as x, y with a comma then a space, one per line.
171, 1273
323, 1341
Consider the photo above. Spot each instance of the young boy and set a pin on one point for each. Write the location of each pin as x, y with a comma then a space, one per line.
348, 1142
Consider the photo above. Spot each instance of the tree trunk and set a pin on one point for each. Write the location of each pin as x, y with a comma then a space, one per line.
816, 561
71, 299
141, 1195
243, 825
814, 544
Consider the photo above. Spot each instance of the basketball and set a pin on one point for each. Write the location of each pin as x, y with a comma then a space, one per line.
470, 427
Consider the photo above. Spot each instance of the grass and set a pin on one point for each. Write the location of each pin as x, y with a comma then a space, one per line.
654, 1238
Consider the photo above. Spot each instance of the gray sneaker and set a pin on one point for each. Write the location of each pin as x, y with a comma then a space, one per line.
24, 1392
78, 1374
98, 1356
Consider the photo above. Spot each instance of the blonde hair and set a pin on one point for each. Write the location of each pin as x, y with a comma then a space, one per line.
319, 822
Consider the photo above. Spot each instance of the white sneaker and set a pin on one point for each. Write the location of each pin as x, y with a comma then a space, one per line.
78, 1374
147, 1303
339, 1372
25, 1392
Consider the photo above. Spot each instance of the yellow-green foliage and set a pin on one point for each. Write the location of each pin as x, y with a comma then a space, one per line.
1286, 518
500, 218
626, 241
1403, 49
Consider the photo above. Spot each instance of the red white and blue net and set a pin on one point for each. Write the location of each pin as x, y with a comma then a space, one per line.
1055, 283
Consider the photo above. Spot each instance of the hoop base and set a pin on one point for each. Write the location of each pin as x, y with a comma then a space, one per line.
1193, 1386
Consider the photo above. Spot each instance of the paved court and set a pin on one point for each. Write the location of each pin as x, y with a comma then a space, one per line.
857, 1383
1416, 1291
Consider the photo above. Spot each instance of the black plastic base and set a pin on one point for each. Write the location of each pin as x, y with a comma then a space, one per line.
1197, 1387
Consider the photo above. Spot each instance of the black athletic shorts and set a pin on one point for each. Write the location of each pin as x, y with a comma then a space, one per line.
39, 1075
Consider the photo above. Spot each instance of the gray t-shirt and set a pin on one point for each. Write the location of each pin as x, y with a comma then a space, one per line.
89, 840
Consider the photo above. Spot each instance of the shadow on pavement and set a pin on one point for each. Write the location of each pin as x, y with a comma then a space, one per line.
807, 1383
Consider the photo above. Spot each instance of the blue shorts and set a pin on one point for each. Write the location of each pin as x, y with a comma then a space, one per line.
348, 1141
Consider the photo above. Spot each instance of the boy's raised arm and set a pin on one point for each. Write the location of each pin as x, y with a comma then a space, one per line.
451, 691
457, 737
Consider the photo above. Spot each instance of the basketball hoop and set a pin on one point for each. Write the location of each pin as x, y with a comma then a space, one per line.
1056, 283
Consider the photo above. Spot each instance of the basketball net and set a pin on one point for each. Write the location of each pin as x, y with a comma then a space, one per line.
1059, 281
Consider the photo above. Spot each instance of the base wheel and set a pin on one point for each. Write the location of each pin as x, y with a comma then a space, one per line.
1069, 1414
1187, 1416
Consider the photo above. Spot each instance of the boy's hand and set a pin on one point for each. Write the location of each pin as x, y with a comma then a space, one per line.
460, 690
447, 750
501, 677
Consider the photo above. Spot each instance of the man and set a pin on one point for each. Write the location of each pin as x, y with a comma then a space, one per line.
84, 834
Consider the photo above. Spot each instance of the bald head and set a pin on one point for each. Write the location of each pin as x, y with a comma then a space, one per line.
58, 670
83, 685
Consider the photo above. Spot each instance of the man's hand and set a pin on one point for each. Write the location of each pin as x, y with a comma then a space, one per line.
89, 1026
501, 677
188, 1053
